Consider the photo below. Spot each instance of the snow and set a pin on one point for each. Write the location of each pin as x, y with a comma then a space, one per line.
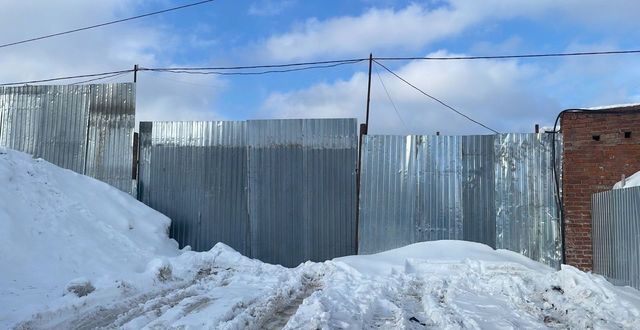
77, 253
613, 106
632, 181
57, 226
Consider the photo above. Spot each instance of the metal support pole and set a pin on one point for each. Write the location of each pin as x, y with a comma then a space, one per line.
363, 131
135, 73
369, 89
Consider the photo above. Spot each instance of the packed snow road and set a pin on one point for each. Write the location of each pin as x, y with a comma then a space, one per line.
78, 254
425, 285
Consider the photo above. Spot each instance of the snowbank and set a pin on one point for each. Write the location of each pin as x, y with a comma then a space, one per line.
76, 253
462, 285
59, 229
632, 181
435, 252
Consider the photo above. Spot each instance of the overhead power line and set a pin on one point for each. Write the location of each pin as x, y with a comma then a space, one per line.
104, 24
490, 57
231, 71
391, 100
108, 74
108, 77
300, 66
436, 99
262, 66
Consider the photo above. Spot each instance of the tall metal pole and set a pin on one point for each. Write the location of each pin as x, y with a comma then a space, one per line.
369, 90
135, 73
363, 131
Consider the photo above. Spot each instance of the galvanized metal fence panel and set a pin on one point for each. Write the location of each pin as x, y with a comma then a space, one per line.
616, 235
439, 215
497, 190
110, 134
478, 189
49, 122
84, 128
388, 193
302, 189
282, 191
526, 209
276, 172
195, 173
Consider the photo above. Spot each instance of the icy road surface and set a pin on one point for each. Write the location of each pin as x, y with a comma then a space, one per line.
76, 253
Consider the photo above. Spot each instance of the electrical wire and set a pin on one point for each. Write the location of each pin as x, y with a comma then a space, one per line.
436, 99
305, 65
391, 100
489, 57
263, 66
100, 78
207, 71
104, 24
67, 78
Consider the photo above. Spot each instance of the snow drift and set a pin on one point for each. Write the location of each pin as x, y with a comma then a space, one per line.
59, 228
76, 253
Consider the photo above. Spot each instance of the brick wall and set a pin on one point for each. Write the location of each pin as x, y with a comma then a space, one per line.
591, 165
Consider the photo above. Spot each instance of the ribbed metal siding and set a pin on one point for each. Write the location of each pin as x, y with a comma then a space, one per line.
49, 122
439, 201
616, 235
330, 158
496, 190
388, 193
302, 189
196, 174
110, 134
478, 189
411, 191
526, 208
282, 191
84, 128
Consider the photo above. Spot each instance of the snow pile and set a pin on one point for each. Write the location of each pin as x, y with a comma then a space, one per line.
61, 232
463, 285
218, 289
76, 253
632, 181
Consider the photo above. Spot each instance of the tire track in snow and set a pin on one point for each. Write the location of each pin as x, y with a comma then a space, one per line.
282, 315
274, 310
146, 305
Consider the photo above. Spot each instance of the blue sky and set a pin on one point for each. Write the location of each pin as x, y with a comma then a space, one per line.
508, 95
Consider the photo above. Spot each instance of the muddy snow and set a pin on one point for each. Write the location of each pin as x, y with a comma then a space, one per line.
76, 253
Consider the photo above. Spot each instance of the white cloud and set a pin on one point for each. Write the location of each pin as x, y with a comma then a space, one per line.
417, 25
376, 28
507, 95
115, 47
499, 94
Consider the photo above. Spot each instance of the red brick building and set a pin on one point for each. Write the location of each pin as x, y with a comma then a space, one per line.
599, 147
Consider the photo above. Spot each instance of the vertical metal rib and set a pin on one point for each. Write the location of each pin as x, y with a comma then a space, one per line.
616, 235
195, 173
56, 122
496, 190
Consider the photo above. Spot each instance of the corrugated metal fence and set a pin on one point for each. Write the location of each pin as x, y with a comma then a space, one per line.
84, 128
495, 189
283, 191
616, 235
